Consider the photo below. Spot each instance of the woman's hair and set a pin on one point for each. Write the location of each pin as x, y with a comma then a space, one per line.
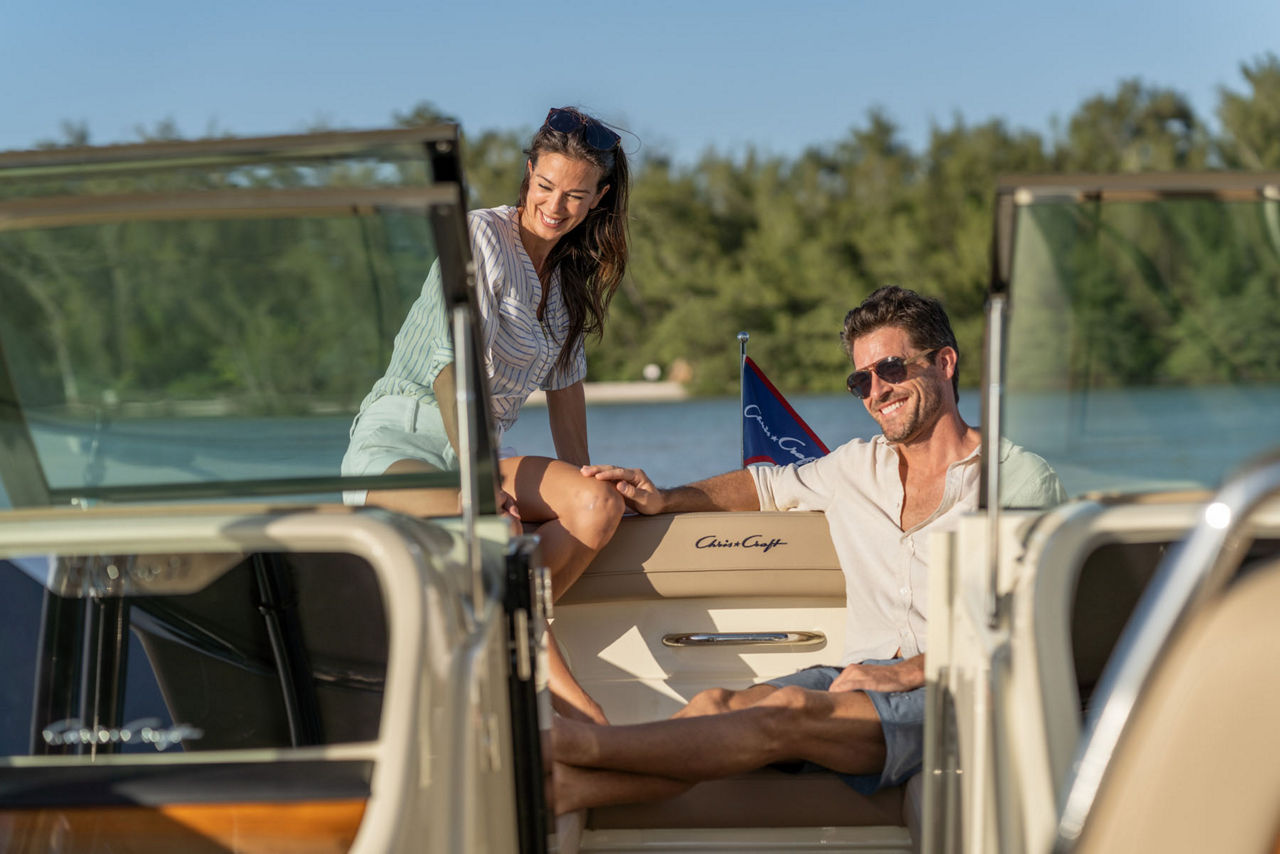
593, 257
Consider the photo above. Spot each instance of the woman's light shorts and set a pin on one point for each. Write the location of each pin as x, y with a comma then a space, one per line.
395, 428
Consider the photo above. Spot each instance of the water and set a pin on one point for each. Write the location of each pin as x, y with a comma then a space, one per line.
1103, 440
683, 441
1108, 440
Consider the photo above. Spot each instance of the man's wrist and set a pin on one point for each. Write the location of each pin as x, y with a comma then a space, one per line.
664, 500
912, 671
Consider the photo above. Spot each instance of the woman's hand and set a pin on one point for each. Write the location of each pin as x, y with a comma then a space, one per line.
636, 487
507, 505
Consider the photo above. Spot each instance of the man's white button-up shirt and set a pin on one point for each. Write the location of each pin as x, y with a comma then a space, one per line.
859, 489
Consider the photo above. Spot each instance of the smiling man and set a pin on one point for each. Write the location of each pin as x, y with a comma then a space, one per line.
882, 499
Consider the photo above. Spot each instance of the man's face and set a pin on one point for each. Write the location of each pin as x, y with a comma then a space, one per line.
905, 411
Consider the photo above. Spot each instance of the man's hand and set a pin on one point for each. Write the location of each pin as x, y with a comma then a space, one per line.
636, 488
885, 678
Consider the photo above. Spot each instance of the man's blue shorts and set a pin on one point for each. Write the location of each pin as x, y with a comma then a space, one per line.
901, 719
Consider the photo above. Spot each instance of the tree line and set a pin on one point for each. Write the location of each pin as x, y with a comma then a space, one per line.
779, 246
783, 247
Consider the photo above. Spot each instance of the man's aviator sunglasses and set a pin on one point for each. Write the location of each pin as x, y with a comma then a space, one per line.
891, 369
594, 134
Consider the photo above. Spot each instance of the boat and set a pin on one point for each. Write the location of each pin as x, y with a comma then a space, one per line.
204, 649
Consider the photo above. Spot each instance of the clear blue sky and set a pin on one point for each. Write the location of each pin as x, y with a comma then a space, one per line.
682, 75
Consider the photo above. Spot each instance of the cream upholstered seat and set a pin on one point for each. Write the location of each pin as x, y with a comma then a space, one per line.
1196, 770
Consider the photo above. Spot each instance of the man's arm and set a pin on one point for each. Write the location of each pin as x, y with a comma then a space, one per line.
735, 490
906, 675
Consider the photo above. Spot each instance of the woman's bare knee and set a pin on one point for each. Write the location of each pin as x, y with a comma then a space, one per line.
592, 513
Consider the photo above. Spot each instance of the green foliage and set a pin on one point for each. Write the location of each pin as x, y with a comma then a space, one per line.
1250, 122
781, 248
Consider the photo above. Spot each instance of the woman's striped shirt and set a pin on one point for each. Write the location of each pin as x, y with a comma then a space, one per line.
520, 351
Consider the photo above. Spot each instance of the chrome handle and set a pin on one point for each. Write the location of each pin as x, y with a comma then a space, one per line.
689, 639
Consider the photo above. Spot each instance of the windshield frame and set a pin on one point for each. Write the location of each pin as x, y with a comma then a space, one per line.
1014, 192
441, 201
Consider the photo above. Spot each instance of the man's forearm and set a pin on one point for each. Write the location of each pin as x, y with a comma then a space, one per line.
913, 671
735, 490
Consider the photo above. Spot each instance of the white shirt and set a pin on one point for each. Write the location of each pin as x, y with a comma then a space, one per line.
858, 487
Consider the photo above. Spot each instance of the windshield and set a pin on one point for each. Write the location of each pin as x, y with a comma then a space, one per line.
205, 325
1142, 336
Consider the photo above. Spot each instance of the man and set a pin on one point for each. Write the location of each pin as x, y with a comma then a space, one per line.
882, 499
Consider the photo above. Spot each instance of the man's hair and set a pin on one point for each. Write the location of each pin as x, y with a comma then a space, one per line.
923, 319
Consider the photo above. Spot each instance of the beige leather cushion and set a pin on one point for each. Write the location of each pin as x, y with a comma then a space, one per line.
1199, 767
760, 799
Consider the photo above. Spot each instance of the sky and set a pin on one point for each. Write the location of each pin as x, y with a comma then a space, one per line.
679, 77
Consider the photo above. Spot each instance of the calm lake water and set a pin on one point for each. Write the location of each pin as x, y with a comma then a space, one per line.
1119, 439
1114, 439
683, 441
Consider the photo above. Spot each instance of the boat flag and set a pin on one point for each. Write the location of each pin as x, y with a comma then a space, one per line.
772, 432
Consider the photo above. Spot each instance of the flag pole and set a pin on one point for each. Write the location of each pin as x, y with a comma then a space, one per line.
743, 337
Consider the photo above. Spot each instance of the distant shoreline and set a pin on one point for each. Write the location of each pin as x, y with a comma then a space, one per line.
623, 392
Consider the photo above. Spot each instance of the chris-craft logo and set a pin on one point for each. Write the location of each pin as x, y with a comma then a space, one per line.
141, 731
793, 445
750, 541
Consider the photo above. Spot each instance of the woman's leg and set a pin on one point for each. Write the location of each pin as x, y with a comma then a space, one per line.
577, 516
416, 502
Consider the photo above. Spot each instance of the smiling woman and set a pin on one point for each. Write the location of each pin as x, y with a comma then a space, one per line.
546, 270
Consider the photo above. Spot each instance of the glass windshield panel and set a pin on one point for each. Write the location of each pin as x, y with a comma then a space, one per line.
1143, 347
216, 652
205, 349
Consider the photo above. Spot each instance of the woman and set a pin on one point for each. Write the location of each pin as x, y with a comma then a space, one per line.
546, 270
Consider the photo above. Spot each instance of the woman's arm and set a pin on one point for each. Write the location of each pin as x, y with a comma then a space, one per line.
446, 391
567, 410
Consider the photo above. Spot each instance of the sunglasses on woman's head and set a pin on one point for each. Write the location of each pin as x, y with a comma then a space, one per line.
891, 369
594, 134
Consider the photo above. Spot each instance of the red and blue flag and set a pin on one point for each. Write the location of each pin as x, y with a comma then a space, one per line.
772, 432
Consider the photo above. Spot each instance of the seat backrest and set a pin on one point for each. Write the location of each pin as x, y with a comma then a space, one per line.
1196, 768
1110, 583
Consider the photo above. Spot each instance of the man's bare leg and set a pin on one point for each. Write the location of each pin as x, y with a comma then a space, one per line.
577, 788
717, 701
840, 731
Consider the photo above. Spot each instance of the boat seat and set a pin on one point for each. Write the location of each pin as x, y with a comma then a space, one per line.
1195, 769
1108, 587
765, 798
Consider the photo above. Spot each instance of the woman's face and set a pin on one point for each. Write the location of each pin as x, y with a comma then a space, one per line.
562, 191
